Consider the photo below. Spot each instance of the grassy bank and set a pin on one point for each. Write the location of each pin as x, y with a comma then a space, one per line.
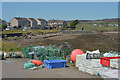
78, 27
29, 31
8, 47
96, 28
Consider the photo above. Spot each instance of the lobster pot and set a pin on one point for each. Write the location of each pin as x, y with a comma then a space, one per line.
94, 54
93, 71
31, 56
55, 58
25, 53
82, 68
42, 57
115, 63
80, 59
27, 50
87, 62
110, 73
96, 63
38, 47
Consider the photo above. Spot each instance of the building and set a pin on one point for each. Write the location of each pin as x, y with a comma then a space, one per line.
42, 22
33, 22
3, 22
19, 22
57, 23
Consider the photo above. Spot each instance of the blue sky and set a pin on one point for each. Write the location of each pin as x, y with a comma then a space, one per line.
60, 10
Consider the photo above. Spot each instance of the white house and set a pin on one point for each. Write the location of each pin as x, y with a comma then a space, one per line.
33, 22
19, 22
41, 22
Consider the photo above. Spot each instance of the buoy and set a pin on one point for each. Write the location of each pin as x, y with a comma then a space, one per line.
74, 53
37, 62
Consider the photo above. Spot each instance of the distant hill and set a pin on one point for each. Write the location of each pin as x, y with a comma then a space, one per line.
103, 20
111, 20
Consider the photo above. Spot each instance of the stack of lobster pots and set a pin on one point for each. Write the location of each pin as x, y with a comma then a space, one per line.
111, 67
92, 65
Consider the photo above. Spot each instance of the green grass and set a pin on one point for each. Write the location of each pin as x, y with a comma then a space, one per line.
14, 31
42, 31
91, 28
29, 31
10, 47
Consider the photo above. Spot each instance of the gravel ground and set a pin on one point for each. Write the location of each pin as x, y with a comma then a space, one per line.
14, 69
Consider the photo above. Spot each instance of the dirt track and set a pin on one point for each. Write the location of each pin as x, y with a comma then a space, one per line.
91, 41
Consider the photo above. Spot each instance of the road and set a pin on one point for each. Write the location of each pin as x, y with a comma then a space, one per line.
15, 70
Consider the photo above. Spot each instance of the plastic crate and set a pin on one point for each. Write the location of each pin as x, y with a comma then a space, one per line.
106, 60
50, 64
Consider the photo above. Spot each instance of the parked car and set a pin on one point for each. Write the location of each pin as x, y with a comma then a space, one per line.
9, 28
44, 28
25, 29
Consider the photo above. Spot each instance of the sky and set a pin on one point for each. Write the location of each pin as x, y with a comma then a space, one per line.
60, 10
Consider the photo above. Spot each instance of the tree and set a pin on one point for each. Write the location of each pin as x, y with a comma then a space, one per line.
4, 26
39, 25
74, 23
19, 26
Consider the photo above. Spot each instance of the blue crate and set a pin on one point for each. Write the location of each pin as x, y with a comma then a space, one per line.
50, 64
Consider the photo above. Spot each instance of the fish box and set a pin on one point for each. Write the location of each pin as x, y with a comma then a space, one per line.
50, 64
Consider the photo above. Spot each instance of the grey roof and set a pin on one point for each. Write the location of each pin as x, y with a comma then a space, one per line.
20, 18
32, 19
57, 21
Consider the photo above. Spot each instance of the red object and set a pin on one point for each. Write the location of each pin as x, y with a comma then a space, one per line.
37, 62
74, 53
56, 28
106, 60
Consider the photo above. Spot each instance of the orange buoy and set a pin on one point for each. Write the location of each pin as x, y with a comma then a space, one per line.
37, 62
74, 53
